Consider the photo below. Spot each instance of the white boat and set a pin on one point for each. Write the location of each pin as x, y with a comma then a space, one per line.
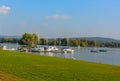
68, 50
37, 49
3, 47
79, 47
51, 49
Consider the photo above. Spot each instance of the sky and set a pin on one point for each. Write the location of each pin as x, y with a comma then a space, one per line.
61, 18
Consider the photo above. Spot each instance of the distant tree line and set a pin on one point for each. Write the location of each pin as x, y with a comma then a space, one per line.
31, 40
9, 40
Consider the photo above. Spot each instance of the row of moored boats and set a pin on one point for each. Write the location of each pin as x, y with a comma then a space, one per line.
53, 49
100, 50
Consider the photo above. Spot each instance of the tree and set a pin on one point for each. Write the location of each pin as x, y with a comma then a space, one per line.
46, 41
65, 42
58, 41
30, 40
76, 42
84, 43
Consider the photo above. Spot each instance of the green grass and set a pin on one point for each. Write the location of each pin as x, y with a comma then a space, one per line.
30, 67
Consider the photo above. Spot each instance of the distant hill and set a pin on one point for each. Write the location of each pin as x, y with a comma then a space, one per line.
6, 36
99, 39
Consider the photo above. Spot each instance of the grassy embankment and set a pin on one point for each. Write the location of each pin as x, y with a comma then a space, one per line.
15, 66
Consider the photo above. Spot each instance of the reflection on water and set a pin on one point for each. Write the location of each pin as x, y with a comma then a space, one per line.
110, 57
63, 55
48, 53
45, 53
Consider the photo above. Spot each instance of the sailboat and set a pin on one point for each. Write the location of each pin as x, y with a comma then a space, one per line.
79, 47
68, 50
95, 49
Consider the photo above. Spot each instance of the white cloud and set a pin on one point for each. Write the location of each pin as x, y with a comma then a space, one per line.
58, 17
4, 9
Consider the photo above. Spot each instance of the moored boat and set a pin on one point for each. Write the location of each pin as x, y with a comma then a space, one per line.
102, 50
68, 50
94, 51
37, 49
51, 49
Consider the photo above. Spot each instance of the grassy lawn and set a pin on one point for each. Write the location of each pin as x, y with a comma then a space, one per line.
16, 66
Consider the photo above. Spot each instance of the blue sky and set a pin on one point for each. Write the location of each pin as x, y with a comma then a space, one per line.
61, 18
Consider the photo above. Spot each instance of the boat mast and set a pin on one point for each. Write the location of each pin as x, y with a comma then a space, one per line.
95, 44
68, 42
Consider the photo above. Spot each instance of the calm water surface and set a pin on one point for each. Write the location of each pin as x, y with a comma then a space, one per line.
112, 56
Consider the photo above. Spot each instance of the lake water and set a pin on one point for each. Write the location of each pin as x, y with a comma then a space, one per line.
112, 56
